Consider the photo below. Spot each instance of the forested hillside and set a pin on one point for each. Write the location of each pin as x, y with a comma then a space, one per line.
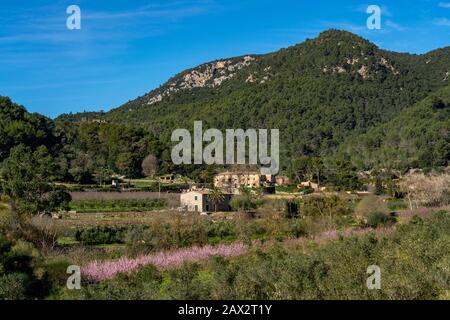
80, 152
317, 93
337, 96
17, 126
418, 137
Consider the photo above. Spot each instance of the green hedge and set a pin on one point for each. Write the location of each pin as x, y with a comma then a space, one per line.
102, 235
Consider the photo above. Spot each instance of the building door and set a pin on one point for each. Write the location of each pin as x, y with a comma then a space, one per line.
196, 208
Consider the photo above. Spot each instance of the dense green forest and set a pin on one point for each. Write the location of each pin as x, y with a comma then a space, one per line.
84, 152
418, 137
337, 97
17, 126
319, 94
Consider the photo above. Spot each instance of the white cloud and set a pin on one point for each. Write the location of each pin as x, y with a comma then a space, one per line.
443, 22
445, 5
165, 13
177, 9
100, 26
395, 26
384, 10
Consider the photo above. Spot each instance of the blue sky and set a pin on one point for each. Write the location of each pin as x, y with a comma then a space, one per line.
126, 48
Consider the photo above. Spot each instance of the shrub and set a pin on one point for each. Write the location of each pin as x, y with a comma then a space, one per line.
326, 206
101, 235
295, 228
13, 286
186, 283
144, 239
291, 210
248, 229
245, 203
396, 204
142, 285
102, 270
179, 232
20, 274
221, 229
370, 204
376, 219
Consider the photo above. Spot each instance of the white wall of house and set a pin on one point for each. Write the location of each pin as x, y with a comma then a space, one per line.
195, 201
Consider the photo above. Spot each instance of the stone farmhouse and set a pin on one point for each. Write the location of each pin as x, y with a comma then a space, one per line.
201, 201
232, 181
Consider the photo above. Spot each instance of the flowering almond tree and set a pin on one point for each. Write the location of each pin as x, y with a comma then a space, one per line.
98, 271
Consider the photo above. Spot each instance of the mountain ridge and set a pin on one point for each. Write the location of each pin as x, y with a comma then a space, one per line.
318, 93
152, 96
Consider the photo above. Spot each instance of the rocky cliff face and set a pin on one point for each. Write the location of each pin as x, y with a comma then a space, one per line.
210, 75
364, 68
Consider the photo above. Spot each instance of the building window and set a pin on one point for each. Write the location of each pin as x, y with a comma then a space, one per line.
196, 198
196, 208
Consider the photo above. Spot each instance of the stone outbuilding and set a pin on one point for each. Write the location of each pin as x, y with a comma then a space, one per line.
202, 202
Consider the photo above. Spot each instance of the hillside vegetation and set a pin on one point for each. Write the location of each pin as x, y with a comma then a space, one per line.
417, 137
317, 93
338, 97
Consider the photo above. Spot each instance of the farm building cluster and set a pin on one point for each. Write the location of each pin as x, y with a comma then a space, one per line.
229, 184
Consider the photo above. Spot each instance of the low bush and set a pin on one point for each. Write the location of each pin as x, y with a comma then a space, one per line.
295, 228
370, 204
161, 235
102, 235
221, 229
327, 206
377, 219
397, 204
292, 209
245, 203
330, 212
21, 276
